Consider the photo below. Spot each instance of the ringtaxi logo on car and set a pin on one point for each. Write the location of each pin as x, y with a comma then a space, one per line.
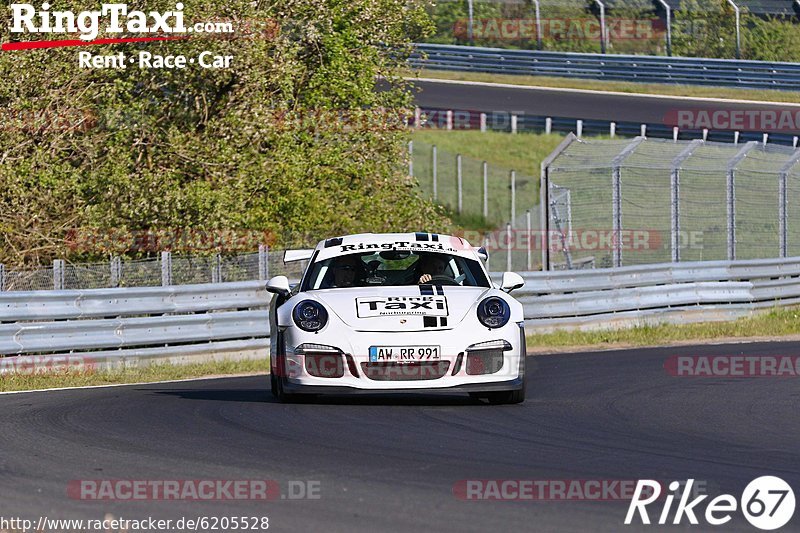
767, 503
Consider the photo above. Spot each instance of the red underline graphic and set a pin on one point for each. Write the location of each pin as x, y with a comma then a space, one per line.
59, 44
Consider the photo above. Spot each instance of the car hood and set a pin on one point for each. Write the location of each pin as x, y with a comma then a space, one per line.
408, 308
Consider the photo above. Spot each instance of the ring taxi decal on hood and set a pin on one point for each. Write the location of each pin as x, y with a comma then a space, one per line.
425, 306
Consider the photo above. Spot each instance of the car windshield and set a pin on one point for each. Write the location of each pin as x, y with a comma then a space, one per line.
394, 268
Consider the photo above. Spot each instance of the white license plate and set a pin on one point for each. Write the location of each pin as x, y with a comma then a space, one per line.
379, 354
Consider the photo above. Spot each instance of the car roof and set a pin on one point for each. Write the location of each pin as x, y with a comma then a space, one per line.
417, 241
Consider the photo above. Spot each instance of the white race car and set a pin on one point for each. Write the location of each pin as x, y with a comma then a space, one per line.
396, 312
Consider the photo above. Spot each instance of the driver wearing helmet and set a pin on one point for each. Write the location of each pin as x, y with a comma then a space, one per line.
431, 265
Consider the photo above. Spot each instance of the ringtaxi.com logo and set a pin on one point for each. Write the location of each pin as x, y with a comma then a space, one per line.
767, 503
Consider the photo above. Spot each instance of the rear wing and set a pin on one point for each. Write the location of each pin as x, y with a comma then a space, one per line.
289, 256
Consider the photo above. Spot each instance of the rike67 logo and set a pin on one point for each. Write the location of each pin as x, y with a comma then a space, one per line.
767, 503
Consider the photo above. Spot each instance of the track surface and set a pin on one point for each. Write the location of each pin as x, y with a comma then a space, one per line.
564, 103
389, 463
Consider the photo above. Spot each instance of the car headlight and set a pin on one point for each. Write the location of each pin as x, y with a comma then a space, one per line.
494, 312
310, 315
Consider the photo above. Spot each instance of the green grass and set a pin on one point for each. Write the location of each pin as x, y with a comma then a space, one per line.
764, 95
157, 372
772, 324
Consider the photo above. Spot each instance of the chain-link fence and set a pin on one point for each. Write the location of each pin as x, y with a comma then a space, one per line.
654, 201
167, 269
693, 28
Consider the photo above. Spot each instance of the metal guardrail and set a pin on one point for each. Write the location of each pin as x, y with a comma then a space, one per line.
151, 322
645, 69
106, 326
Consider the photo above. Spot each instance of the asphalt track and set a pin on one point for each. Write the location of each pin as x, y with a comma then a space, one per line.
569, 104
390, 463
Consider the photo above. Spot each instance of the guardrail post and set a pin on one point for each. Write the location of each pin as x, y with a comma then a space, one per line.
166, 269
411, 158
263, 262
485, 190
735, 137
449, 119
544, 197
612, 129
675, 132
58, 274
483, 122
548, 125
513, 198
783, 202
643, 130
513, 123
675, 194
616, 198
216, 269
434, 165
417, 117
764, 139
528, 262
731, 197
579, 128
459, 183
508, 246
705, 134
116, 271
2, 277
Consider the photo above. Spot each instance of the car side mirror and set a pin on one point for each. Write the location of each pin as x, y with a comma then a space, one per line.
279, 285
511, 281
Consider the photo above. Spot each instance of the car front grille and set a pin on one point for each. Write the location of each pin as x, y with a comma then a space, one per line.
405, 371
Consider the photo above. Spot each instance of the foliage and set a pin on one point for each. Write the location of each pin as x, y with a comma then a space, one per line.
293, 139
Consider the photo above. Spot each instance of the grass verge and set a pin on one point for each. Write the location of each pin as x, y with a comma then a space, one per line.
158, 372
769, 325
763, 95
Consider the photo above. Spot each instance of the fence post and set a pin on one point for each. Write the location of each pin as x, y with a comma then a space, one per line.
2, 277
603, 35
544, 197
783, 203
216, 269
538, 25
166, 269
485, 190
470, 16
675, 188
434, 164
116, 271
528, 262
417, 117
58, 274
508, 247
263, 262
738, 35
668, 10
616, 198
411, 158
730, 187
513, 198
459, 183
